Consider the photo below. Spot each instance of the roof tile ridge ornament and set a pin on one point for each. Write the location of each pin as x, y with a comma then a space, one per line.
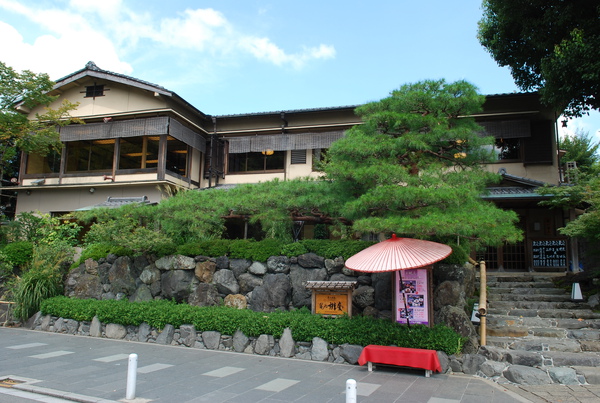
92, 66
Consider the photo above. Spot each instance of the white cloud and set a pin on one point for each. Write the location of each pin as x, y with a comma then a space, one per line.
264, 49
106, 31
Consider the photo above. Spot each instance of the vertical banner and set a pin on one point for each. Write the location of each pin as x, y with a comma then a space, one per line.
413, 288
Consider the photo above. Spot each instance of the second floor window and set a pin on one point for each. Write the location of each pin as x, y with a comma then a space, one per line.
139, 152
508, 149
38, 164
93, 155
257, 162
177, 156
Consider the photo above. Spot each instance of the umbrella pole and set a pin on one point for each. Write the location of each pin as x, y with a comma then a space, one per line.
404, 297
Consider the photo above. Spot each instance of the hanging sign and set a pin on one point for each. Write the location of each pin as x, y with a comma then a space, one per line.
412, 296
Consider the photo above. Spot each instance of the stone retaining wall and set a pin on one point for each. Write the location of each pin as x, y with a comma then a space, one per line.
278, 283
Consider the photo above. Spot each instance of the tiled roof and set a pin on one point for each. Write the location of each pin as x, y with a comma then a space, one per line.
116, 202
91, 66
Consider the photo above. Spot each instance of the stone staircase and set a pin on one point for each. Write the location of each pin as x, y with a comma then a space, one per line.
531, 322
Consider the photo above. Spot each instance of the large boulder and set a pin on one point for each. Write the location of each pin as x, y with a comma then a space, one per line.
278, 264
524, 375
382, 284
363, 296
205, 271
176, 284
463, 274
275, 293
142, 293
226, 282
239, 266
204, 295
458, 320
150, 275
334, 265
122, 277
257, 268
301, 296
81, 284
176, 262
248, 282
287, 345
236, 301
311, 261
448, 293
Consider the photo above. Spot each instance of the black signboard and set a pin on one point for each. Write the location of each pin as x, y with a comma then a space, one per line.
549, 252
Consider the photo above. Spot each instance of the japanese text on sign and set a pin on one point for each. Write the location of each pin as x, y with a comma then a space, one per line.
549, 252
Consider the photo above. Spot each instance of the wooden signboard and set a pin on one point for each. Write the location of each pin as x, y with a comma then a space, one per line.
331, 298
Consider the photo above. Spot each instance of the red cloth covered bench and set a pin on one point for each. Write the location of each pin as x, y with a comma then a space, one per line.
401, 356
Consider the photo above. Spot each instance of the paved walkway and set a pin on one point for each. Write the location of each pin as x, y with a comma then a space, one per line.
90, 369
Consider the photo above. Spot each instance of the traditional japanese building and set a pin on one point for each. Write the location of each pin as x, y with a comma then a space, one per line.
141, 141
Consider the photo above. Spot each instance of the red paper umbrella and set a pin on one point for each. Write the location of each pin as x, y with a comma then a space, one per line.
398, 254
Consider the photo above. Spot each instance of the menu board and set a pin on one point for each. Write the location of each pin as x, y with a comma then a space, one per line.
412, 287
549, 252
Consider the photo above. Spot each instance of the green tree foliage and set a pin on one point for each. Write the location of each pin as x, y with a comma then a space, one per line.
583, 190
17, 132
582, 149
549, 45
40, 229
414, 167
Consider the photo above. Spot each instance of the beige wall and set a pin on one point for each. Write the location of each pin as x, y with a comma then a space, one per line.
544, 173
118, 99
67, 199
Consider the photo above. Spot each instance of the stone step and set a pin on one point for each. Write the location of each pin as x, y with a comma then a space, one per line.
528, 291
545, 358
523, 278
535, 344
547, 332
537, 305
584, 314
572, 324
518, 285
528, 297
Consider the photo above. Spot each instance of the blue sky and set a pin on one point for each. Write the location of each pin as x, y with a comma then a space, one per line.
244, 56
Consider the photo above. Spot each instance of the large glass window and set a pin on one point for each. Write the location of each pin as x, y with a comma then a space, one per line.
257, 162
95, 155
139, 152
38, 164
177, 156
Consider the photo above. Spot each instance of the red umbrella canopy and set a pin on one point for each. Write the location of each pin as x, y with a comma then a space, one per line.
398, 254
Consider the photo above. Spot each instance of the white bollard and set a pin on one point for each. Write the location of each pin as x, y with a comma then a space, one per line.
131, 376
350, 391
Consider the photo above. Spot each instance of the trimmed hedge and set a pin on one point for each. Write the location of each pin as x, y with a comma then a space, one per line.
262, 250
360, 330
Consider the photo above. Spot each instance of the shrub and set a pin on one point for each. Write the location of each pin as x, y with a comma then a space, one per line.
294, 249
42, 279
305, 326
18, 253
331, 249
94, 251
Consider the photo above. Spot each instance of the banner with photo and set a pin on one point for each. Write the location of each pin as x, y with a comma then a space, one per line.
413, 288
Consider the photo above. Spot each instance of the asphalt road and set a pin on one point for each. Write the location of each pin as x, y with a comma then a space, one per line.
88, 369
